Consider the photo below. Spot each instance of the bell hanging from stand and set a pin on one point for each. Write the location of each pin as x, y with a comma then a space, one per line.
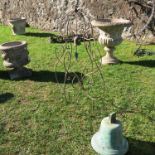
109, 139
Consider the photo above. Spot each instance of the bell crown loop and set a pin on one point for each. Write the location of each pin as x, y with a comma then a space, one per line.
112, 118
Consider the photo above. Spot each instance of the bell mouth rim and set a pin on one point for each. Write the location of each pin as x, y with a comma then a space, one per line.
12, 44
100, 149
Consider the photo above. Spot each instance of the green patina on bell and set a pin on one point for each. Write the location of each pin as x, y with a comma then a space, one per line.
109, 139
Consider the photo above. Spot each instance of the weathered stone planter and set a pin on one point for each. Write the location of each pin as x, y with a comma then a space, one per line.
18, 25
15, 55
110, 35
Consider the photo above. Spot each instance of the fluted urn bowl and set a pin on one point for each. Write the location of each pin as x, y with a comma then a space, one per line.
15, 56
110, 35
18, 25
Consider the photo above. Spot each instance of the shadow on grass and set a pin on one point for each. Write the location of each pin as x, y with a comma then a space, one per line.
57, 77
137, 147
4, 75
5, 97
48, 76
39, 34
52, 38
145, 63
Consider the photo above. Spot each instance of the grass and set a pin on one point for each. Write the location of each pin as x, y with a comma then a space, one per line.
36, 118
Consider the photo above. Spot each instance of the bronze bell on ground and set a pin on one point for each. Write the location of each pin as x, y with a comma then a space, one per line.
109, 140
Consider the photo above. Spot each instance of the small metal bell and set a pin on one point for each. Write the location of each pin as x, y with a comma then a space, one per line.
109, 140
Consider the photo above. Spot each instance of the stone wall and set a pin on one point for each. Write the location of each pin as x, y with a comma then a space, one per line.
46, 13
49, 14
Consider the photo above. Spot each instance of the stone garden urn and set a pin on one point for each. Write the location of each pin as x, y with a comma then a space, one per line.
18, 25
15, 55
110, 35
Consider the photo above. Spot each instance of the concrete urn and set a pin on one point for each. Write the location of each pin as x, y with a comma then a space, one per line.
15, 55
18, 25
110, 35
109, 140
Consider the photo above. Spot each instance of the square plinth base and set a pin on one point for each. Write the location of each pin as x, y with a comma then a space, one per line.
109, 60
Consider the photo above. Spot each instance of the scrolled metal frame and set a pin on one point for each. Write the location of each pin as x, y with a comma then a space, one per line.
86, 34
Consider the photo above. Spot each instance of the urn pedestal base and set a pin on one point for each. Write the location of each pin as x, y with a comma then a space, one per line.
109, 58
17, 74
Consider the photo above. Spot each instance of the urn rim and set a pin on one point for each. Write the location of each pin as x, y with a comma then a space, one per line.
13, 44
16, 19
110, 22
